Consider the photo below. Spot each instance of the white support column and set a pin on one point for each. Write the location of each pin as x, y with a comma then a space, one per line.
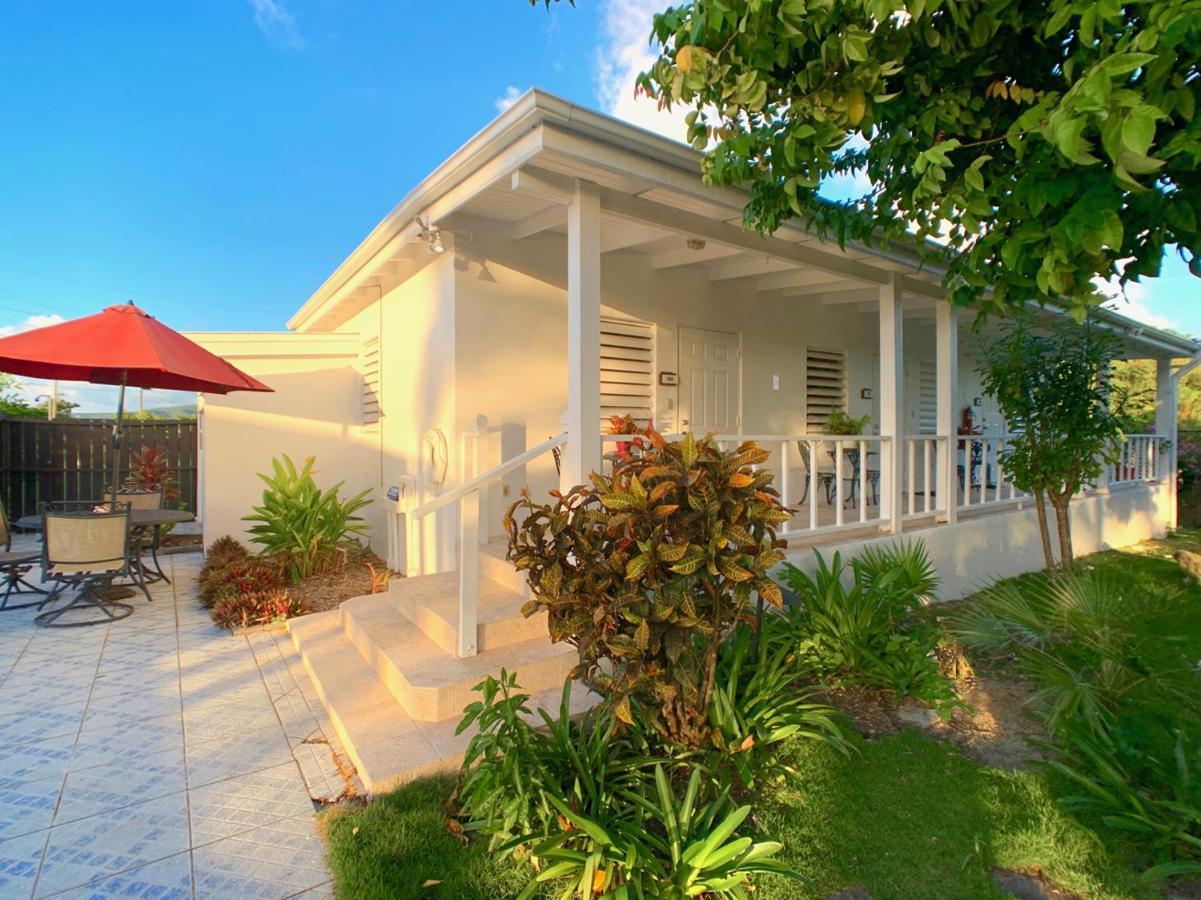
582, 455
947, 374
1165, 409
1166, 426
892, 403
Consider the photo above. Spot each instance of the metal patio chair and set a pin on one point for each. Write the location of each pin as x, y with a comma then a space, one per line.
823, 478
86, 546
14, 566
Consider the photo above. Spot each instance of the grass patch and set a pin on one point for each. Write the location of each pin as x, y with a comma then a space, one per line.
906, 817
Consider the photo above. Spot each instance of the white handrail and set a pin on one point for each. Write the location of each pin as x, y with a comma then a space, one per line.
492, 474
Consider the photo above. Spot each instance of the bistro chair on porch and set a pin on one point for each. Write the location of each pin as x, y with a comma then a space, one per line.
824, 478
86, 546
14, 566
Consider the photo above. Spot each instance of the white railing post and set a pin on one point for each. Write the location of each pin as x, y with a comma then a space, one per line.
403, 513
784, 526
469, 567
892, 403
947, 374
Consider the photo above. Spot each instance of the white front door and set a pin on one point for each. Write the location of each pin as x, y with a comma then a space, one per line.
710, 382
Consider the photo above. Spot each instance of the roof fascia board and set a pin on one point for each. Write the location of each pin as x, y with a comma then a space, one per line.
520, 121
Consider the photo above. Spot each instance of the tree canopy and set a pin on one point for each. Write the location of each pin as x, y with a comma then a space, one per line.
1032, 146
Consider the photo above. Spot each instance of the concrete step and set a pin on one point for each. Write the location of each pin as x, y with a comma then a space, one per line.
494, 566
430, 684
387, 746
431, 602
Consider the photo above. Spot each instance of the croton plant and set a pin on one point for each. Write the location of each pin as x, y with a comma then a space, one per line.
646, 570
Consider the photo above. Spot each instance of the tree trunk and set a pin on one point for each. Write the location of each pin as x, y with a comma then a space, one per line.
1044, 531
1063, 524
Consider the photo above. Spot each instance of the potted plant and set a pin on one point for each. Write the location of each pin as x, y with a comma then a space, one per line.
842, 423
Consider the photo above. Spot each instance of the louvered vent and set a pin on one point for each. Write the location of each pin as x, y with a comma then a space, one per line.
627, 378
825, 386
369, 366
927, 398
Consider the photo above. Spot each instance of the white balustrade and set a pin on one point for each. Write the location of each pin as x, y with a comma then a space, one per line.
833, 486
980, 472
1139, 459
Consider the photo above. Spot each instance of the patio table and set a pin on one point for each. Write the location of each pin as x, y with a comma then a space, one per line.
140, 521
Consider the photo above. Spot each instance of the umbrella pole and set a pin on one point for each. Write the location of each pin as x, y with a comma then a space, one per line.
117, 436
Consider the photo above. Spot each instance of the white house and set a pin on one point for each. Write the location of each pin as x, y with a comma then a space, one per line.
563, 267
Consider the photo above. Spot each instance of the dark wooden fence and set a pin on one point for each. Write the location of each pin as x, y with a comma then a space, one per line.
71, 459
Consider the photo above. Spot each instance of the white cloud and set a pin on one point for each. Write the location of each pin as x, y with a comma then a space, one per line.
34, 321
1135, 301
508, 98
277, 23
624, 53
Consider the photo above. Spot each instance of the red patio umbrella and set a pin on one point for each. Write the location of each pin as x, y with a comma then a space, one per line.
124, 346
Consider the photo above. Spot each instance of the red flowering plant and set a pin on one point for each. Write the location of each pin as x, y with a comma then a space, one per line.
648, 569
150, 470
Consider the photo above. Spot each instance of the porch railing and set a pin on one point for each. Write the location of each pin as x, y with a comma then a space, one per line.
830, 482
469, 497
979, 475
1140, 458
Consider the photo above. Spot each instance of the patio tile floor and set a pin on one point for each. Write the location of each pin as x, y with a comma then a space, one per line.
159, 756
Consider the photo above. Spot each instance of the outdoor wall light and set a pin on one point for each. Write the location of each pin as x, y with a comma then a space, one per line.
431, 235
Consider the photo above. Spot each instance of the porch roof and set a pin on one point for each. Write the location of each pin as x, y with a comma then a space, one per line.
513, 177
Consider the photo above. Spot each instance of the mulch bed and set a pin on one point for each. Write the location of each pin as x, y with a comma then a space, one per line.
362, 573
993, 729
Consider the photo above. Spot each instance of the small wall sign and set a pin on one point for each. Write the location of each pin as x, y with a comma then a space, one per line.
669, 379
865, 393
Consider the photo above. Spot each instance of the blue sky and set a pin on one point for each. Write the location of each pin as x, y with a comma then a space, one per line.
214, 160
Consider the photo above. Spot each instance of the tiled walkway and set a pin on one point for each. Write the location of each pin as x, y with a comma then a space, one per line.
158, 756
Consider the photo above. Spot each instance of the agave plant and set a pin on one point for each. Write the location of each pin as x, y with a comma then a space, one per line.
300, 522
655, 845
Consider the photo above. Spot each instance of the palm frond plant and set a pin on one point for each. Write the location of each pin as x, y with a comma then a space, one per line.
1117, 688
299, 522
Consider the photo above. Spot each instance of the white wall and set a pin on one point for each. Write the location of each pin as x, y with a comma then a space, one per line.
977, 551
309, 414
417, 394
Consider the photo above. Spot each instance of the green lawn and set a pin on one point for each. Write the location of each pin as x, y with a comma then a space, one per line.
905, 817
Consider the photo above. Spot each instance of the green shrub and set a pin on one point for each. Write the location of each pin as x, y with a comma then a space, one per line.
758, 703
256, 608
301, 523
511, 767
655, 845
860, 627
594, 809
1117, 688
645, 571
